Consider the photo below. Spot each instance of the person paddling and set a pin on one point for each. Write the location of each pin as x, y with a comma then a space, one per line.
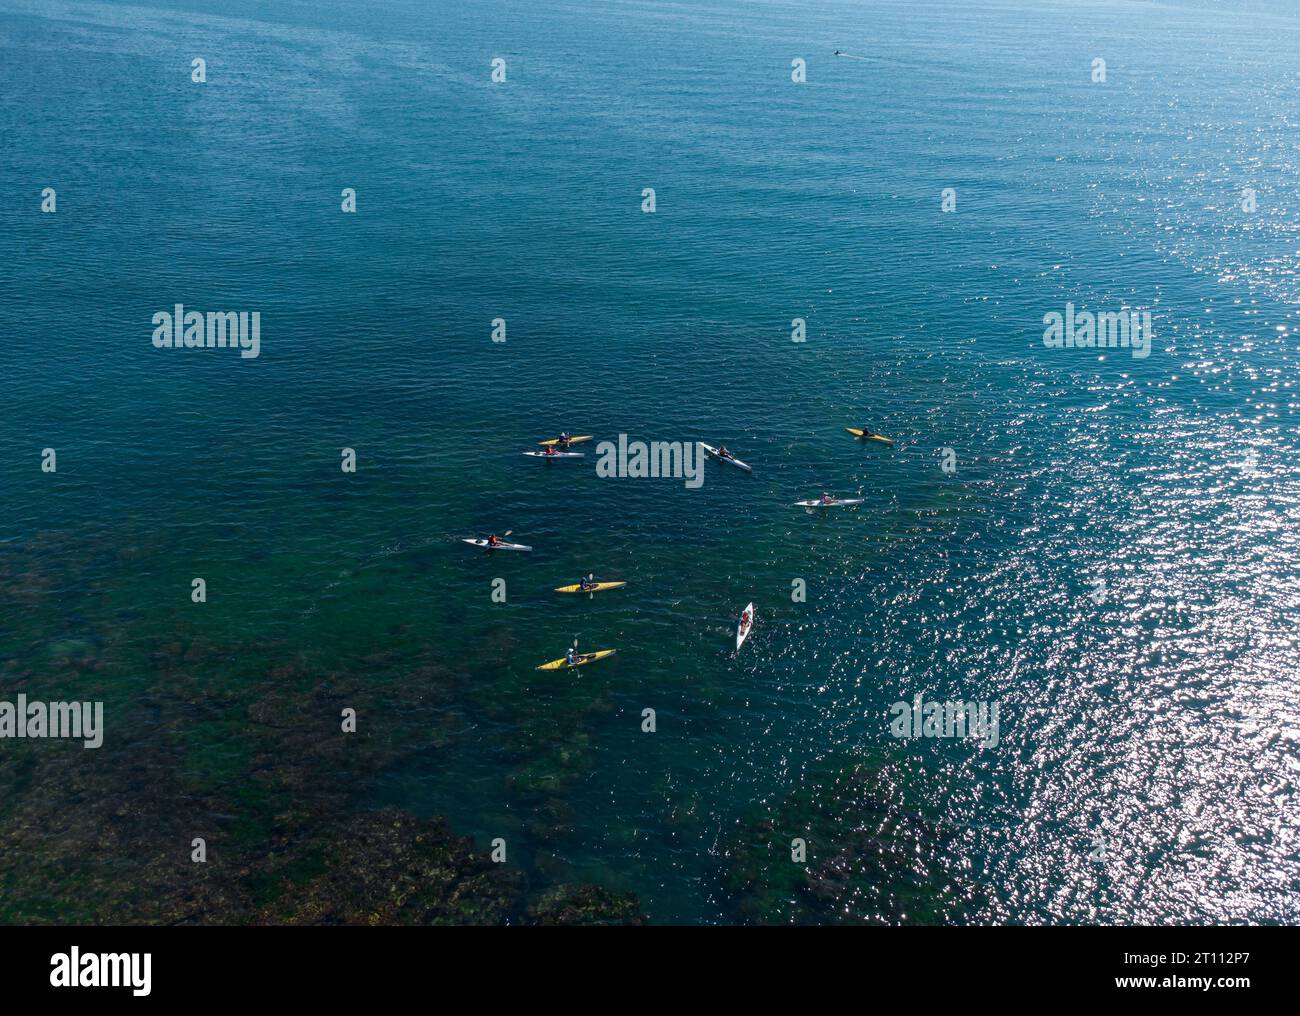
588, 584
494, 540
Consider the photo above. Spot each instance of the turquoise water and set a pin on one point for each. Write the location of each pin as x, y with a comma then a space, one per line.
1158, 720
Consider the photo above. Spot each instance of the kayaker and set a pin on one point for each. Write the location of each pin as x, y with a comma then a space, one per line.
587, 584
827, 498
563, 439
550, 451
723, 453
569, 656
494, 540
866, 432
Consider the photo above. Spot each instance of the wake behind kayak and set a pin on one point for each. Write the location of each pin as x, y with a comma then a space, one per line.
833, 503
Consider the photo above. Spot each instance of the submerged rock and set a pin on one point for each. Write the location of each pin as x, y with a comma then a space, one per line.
389, 867
870, 858
236, 740
254, 764
585, 904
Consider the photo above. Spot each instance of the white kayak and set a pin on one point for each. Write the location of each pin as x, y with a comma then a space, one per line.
556, 455
745, 625
725, 458
830, 504
500, 546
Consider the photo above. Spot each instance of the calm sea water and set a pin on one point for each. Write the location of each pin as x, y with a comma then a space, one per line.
1113, 561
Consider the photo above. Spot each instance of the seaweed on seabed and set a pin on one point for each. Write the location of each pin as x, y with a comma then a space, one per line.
870, 859
266, 780
585, 904
389, 867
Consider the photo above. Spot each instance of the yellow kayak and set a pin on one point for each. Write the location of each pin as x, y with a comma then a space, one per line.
857, 432
594, 589
572, 440
578, 660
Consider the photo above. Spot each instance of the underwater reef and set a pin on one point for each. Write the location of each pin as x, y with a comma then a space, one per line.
238, 744
868, 857
110, 842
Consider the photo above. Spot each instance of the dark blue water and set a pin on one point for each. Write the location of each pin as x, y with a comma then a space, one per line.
1112, 557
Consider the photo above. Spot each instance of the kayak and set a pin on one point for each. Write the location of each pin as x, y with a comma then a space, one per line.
555, 455
500, 546
577, 588
572, 440
832, 504
745, 625
578, 660
722, 458
857, 432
